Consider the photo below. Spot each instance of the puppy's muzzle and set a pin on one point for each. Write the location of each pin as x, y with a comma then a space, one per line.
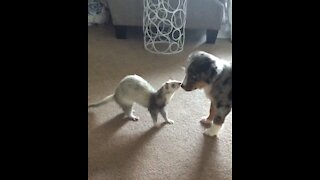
186, 88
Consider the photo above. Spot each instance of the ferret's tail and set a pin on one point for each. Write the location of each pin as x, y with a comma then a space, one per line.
103, 101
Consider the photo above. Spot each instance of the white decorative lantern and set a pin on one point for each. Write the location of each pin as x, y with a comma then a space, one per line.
164, 25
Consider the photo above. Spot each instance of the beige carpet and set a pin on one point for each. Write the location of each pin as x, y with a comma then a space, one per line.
120, 149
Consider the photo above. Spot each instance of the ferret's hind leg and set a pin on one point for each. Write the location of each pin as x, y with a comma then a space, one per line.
126, 106
127, 109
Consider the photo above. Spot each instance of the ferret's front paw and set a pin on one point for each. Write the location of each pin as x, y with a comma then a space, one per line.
134, 118
170, 121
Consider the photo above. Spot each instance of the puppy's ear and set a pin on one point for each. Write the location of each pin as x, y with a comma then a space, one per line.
212, 70
207, 67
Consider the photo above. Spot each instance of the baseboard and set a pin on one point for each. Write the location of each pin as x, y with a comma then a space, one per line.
224, 35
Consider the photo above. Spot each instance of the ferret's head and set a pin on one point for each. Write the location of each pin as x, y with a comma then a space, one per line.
171, 86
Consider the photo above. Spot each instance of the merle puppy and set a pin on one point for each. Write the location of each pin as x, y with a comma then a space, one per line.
214, 75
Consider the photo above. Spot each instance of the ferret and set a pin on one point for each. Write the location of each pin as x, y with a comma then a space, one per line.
134, 89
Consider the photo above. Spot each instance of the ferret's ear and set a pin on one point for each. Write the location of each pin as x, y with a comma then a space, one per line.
166, 86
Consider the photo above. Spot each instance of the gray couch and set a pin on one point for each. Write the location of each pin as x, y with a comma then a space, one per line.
201, 14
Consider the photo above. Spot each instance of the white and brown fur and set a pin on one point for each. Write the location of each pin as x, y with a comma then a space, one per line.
214, 75
134, 89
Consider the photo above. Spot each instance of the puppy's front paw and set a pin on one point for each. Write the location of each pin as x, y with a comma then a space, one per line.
206, 123
170, 121
208, 132
212, 131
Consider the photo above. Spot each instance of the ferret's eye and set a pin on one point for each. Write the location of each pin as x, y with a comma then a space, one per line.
173, 85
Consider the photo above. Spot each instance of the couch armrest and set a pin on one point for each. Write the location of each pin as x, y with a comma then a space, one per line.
204, 14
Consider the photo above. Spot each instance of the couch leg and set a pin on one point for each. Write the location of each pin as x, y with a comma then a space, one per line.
121, 32
212, 36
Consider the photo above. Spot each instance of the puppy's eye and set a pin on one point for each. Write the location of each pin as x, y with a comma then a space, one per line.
193, 78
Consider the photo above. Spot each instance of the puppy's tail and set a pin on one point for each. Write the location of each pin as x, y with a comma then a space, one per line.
103, 101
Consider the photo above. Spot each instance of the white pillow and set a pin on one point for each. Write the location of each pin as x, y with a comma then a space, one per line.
97, 13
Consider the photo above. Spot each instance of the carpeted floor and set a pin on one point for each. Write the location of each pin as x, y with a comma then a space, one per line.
120, 149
